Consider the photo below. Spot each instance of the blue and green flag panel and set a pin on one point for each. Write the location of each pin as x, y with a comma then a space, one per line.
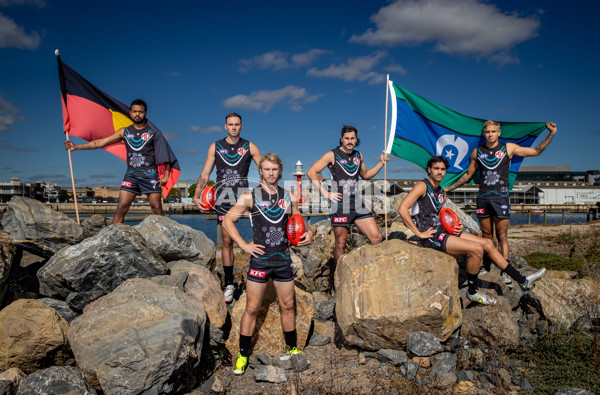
421, 129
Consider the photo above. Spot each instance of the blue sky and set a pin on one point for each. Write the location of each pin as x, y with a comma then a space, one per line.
297, 71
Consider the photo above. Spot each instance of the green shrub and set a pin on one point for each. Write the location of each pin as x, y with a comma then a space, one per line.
553, 261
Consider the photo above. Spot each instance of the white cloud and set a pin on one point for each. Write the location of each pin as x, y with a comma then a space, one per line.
171, 135
208, 129
270, 60
308, 57
15, 3
460, 27
13, 35
264, 100
355, 69
8, 114
396, 68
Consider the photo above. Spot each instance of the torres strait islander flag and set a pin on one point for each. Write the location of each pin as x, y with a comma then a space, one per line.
91, 114
421, 129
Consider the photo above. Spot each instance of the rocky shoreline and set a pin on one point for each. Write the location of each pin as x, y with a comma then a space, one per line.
118, 309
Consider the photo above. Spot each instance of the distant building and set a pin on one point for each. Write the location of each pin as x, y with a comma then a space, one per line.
558, 173
36, 190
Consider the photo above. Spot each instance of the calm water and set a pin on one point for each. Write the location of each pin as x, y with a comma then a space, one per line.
209, 227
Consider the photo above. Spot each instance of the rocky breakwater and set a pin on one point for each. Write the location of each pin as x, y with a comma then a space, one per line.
139, 310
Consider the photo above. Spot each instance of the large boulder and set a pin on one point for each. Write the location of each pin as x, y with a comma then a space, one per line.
82, 273
268, 338
173, 241
7, 257
312, 262
39, 229
56, 380
203, 284
564, 302
387, 291
493, 325
141, 338
32, 336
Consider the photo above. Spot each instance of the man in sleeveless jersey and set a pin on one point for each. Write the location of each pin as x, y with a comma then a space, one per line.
142, 174
269, 206
346, 165
232, 157
493, 160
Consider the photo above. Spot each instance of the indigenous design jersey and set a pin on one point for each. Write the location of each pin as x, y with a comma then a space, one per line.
232, 162
345, 172
425, 212
269, 217
493, 164
141, 159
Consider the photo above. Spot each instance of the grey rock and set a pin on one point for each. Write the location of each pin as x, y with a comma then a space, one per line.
446, 381
409, 369
94, 224
61, 308
494, 325
217, 336
466, 375
173, 241
7, 257
264, 359
175, 280
423, 344
396, 357
7, 387
486, 378
572, 391
443, 363
270, 374
39, 229
283, 361
96, 266
505, 377
525, 385
56, 380
319, 340
325, 310
300, 362
141, 338
370, 354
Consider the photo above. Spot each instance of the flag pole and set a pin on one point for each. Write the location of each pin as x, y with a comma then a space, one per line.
385, 208
63, 91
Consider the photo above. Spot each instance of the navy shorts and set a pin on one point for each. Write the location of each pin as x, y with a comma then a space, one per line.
261, 272
221, 210
437, 241
140, 185
498, 207
347, 212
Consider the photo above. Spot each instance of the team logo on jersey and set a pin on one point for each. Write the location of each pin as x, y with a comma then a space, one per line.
129, 136
480, 211
441, 236
500, 154
356, 160
339, 220
223, 151
504, 206
145, 136
126, 184
242, 151
283, 204
343, 161
441, 198
504, 189
263, 204
257, 273
483, 156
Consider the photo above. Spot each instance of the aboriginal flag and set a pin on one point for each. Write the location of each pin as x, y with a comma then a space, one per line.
421, 129
91, 114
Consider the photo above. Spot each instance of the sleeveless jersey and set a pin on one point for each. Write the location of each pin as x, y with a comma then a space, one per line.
269, 217
345, 171
493, 164
425, 212
232, 162
139, 144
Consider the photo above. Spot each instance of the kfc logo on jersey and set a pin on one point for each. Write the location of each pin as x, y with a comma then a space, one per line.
126, 184
441, 236
480, 211
242, 151
340, 220
221, 217
257, 273
356, 160
283, 204
145, 136
500, 154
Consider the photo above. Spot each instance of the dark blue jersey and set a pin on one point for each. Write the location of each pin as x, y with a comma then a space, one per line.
141, 159
494, 164
345, 172
232, 162
269, 217
425, 212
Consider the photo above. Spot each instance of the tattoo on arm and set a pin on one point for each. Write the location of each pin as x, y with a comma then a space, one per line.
542, 146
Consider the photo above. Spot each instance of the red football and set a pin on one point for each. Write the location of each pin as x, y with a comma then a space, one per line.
208, 197
295, 229
449, 220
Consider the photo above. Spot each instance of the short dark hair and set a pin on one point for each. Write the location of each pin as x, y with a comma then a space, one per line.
349, 129
436, 159
233, 114
139, 102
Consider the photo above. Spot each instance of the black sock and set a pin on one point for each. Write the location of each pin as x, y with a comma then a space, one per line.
245, 345
228, 275
473, 282
290, 339
514, 274
487, 262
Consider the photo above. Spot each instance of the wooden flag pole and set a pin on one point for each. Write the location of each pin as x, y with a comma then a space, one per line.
73, 181
385, 208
